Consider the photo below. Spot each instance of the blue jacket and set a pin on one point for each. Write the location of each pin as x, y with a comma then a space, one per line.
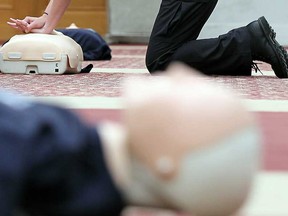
51, 163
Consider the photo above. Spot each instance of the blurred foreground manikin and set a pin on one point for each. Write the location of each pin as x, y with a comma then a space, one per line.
183, 144
187, 144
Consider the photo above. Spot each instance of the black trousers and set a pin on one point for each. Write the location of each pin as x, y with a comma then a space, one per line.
174, 38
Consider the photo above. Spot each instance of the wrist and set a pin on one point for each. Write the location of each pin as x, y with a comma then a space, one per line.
44, 16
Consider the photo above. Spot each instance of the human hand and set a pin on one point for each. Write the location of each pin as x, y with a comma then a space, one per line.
30, 24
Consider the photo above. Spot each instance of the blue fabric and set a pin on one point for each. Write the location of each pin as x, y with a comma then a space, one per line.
51, 163
93, 45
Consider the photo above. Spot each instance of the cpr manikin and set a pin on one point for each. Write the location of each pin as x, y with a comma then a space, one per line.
186, 144
41, 54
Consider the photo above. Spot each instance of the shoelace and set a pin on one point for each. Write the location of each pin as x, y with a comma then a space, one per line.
255, 67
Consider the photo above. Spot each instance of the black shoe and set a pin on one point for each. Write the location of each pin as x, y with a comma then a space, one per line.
285, 54
264, 47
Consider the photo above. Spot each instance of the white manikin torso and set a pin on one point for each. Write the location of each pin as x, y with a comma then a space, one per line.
41, 54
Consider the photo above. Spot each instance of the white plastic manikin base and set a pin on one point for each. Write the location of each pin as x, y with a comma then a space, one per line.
41, 54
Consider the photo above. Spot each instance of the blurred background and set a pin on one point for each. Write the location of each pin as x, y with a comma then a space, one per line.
130, 21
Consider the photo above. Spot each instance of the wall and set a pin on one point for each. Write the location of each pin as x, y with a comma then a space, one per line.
15, 9
132, 20
92, 14
87, 14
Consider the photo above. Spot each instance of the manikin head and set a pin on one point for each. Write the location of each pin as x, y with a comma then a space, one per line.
191, 144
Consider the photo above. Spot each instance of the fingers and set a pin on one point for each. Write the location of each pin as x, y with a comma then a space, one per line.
36, 31
21, 25
42, 31
29, 19
30, 24
13, 25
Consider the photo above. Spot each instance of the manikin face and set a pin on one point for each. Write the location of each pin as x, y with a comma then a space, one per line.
193, 140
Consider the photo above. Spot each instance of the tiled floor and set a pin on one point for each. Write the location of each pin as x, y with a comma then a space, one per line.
97, 96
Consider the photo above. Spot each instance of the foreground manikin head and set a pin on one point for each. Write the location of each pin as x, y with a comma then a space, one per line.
190, 144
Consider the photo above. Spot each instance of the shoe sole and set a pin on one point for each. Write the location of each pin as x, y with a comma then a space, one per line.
280, 68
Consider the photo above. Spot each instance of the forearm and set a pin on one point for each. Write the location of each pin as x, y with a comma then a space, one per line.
48, 8
55, 11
